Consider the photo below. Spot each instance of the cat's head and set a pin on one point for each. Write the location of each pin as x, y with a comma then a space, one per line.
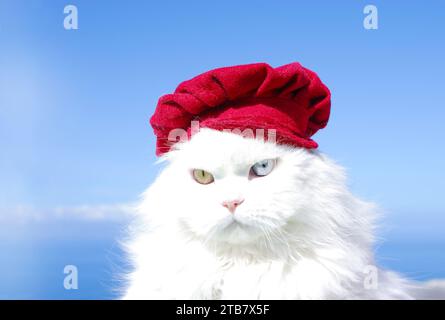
222, 187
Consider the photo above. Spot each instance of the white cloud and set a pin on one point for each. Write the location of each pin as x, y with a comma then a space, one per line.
95, 212
106, 212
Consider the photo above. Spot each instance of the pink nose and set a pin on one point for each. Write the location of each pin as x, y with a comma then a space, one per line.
232, 204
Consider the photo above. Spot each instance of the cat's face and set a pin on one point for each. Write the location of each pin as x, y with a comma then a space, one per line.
221, 186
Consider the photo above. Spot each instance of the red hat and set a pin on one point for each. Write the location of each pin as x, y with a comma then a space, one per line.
289, 99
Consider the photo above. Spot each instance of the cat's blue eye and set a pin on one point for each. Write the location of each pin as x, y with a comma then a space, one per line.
263, 168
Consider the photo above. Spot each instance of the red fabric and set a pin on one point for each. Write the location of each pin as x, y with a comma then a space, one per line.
290, 99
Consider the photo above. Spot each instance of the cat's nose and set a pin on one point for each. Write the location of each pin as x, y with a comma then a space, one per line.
232, 204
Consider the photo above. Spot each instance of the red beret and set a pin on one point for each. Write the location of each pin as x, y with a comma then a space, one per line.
289, 99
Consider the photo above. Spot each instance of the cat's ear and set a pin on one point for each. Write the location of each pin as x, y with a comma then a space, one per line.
168, 157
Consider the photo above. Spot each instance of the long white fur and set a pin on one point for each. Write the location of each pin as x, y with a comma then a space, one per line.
300, 234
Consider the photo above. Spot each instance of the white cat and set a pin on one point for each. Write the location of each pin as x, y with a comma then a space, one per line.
238, 218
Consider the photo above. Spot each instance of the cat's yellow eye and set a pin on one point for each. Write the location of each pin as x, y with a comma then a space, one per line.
202, 176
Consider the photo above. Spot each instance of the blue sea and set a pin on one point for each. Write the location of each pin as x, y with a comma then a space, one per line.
33, 257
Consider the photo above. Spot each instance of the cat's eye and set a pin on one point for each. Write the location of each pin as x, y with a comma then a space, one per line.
263, 168
202, 176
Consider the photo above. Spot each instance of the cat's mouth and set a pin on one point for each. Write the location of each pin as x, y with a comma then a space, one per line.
231, 222
236, 230
234, 223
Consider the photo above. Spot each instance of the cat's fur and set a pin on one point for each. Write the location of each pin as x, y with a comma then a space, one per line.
300, 234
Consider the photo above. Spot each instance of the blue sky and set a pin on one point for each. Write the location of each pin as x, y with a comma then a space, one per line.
74, 110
